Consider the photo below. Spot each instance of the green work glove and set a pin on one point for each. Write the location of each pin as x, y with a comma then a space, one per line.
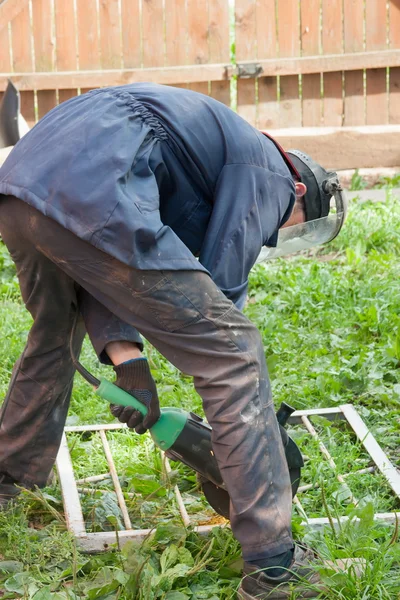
135, 378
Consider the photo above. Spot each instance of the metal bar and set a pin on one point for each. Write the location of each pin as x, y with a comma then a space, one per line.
72, 505
179, 499
93, 478
319, 523
99, 427
85, 490
329, 413
101, 541
310, 486
325, 452
379, 457
115, 479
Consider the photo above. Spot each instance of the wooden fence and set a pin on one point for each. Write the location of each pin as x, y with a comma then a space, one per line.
297, 63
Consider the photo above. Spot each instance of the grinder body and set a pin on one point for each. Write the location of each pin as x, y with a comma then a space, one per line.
186, 437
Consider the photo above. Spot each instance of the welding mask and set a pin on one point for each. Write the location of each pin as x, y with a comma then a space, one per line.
325, 208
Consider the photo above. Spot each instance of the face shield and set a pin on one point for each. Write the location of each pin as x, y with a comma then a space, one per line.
325, 207
311, 233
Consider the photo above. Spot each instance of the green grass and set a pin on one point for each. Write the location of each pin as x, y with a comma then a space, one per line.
330, 321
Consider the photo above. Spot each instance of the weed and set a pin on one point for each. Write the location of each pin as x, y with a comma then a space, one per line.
357, 182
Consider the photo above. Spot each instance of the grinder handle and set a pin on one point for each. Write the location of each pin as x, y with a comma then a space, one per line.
115, 395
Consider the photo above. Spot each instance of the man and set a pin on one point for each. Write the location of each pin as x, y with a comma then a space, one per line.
107, 205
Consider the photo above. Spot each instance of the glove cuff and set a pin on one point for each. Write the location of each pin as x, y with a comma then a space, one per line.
134, 374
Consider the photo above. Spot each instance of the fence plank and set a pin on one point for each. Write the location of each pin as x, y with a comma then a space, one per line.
394, 73
289, 45
219, 50
311, 45
110, 34
43, 39
354, 102
376, 94
332, 43
131, 43
245, 22
9, 9
176, 36
65, 42
197, 20
88, 36
5, 56
175, 32
153, 33
23, 59
268, 105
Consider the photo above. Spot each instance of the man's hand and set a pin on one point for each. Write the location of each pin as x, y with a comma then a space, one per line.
135, 378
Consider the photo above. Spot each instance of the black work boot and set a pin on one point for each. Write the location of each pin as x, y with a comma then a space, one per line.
300, 578
8, 490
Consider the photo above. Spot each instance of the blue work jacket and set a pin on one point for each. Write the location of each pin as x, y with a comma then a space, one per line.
159, 177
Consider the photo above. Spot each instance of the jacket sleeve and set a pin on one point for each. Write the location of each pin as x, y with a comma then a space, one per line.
250, 204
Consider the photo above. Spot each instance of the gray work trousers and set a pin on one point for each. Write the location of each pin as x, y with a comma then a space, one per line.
188, 319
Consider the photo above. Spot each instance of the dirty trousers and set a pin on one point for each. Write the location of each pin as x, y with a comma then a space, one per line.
188, 319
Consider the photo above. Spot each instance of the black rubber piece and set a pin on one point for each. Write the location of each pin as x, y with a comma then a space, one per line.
193, 448
9, 111
218, 497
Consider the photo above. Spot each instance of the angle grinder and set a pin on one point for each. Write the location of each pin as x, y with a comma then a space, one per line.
186, 437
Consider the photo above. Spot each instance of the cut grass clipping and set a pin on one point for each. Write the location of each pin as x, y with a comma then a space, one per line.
330, 322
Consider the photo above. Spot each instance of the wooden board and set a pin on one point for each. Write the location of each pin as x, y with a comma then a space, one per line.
394, 96
311, 101
110, 34
5, 56
354, 108
332, 43
288, 17
394, 73
131, 43
206, 72
175, 32
197, 39
268, 105
354, 100
376, 33
88, 36
290, 104
153, 33
218, 45
23, 58
106, 77
246, 35
346, 147
66, 51
311, 45
44, 51
9, 9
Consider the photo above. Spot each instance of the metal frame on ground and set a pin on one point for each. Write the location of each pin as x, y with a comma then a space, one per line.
95, 542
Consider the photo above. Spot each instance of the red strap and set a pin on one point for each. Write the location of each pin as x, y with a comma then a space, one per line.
285, 157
